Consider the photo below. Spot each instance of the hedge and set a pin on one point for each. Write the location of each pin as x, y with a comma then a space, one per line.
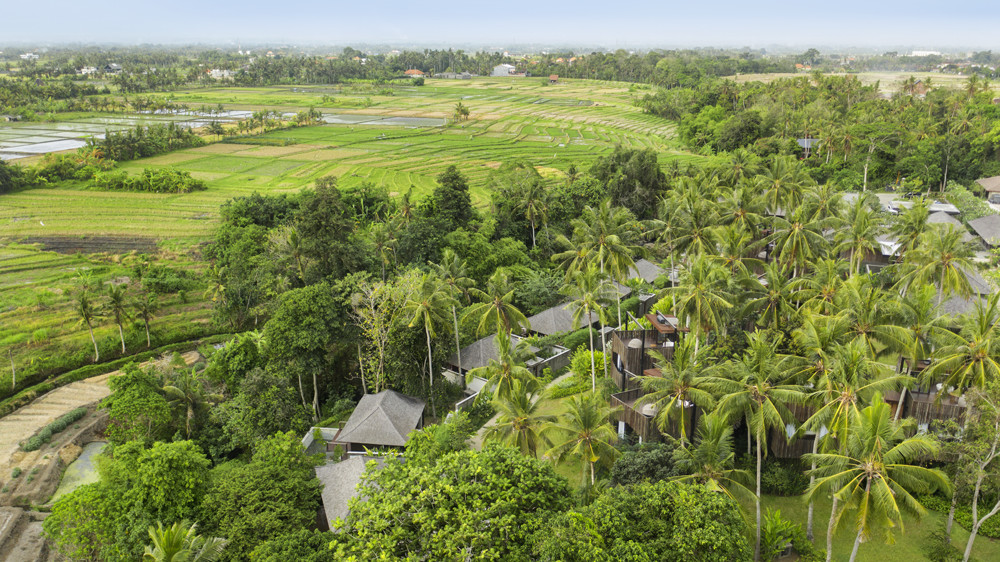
24, 397
963, 515
59, 425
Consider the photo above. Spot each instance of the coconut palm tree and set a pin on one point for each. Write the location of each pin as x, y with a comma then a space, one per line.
187, 393
503, 373
710, 461
941, 257
426, 307
742, 208
117, 307
589, 294
383, 238
682, 385
453, 273
875, 477
735, 250
497, 310
666, 229
532, 197
910, 225
781, 184
770, 299
701, 298
797, 240
860, 237
146, 307
87, 313
181, 543
520, 421
915, 325
754, 391
817, 291
851, 380
867, 310
607, 236
584, 431
972, 356
823, 202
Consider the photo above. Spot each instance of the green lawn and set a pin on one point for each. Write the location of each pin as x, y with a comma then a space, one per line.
909, 544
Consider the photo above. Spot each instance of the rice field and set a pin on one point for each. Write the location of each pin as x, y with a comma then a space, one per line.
549, 126
401, 141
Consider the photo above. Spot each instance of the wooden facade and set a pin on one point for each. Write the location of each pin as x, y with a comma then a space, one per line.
640, 423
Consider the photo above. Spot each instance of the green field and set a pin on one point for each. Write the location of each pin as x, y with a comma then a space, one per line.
550, 126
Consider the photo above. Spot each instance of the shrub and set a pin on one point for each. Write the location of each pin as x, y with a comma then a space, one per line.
937, 547
151, 180
45, 435
776, 534
581, 337
16, 472
963, 515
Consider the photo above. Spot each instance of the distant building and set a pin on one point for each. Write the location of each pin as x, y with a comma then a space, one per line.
553, 79
113, 68
503, 70
455, 75
88, 70
414, 72
29, 56
925, 54
219, 74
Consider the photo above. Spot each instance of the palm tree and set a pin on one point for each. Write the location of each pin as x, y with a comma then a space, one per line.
503, 374
453, 273
941, 257
860, 236
970, 357
915, 325
187, 393
755, 392
520, 421
497, 310
426, 308
533, 198
710, 461
383, 238
583, 431
781, 184
735, 250
866, 309
701, 298
589, 293
87, 313
606, 235
817, 292
680, 386
797, 240
145, 308
181, 543
852, 378
910, 225
118, 309
770, 299
874, 478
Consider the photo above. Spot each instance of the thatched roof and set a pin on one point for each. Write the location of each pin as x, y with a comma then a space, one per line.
990, 185
988, 228
383, 419
648, 271
941, 217
555, 320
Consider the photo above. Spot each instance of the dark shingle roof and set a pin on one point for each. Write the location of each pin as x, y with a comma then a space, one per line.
988, 228
383, 419
340, 483
941, 217
555, 320
479, 353
647, 270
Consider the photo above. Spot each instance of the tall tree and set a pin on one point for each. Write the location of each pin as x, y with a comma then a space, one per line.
584, 431
118, 309
875, 476
426, 308
589, 293
520, 421
146, 307
711, 460
681, 387
497, 310
755, 392
941, 258
87, 313
453, 272
504, 374
702, 297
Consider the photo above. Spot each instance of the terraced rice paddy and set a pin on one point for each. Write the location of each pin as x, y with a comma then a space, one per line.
401, 141
387, 143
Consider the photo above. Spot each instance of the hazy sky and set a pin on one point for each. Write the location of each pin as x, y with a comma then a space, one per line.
961, 23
